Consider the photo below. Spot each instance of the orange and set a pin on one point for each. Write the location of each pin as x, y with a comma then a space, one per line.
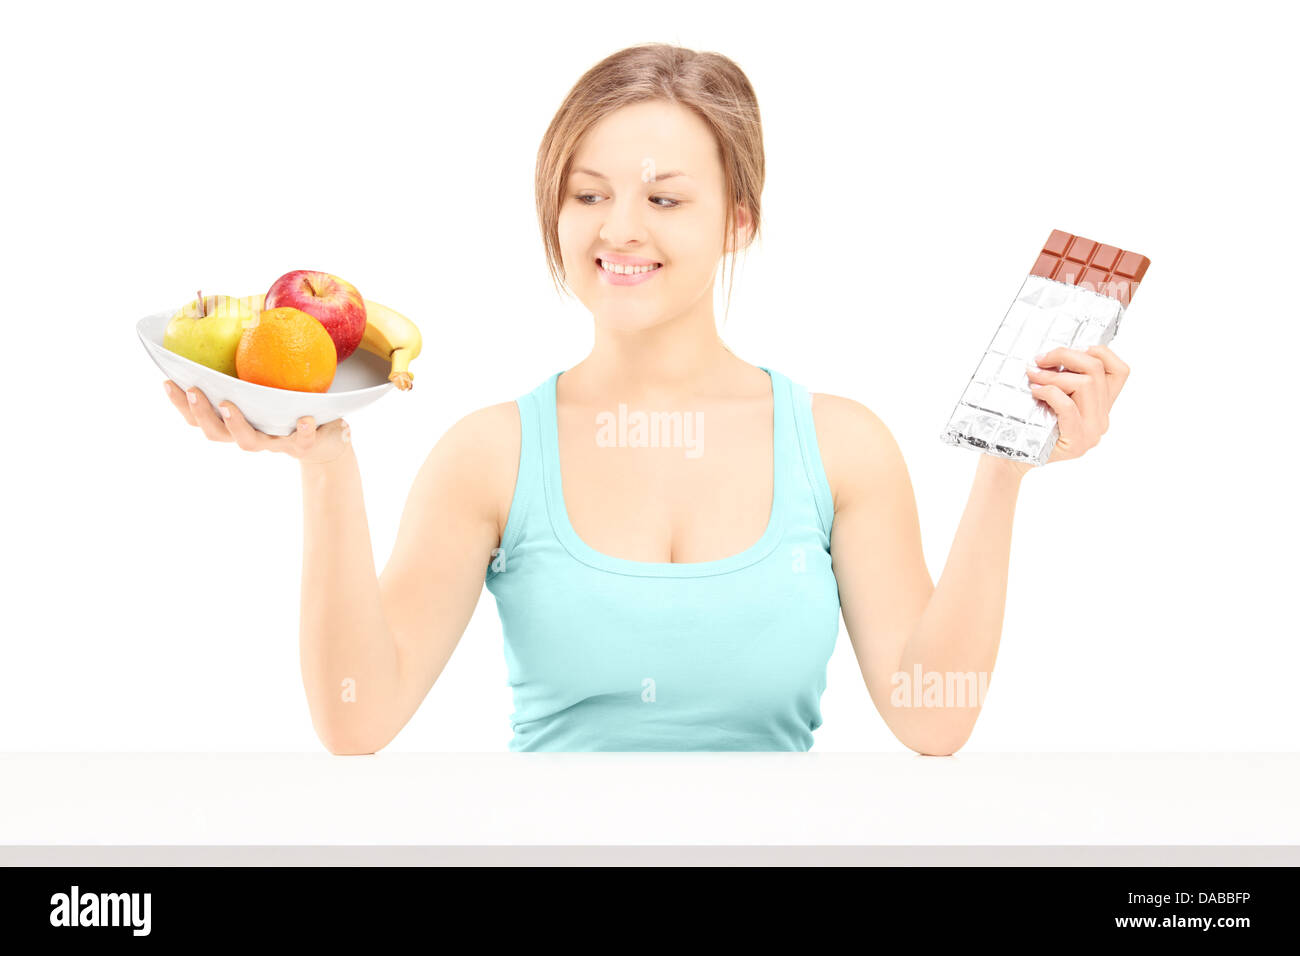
286, 348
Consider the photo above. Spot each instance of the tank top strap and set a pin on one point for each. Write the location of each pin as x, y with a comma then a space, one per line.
529, 500
784, 443
809, 479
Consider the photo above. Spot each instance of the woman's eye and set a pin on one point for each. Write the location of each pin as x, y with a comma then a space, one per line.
583, 197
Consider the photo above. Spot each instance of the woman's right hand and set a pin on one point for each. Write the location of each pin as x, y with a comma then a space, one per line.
309, 444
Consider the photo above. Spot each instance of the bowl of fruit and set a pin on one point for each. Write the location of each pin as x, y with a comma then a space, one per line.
311, 345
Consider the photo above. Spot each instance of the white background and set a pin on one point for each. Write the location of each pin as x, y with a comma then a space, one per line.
917, 156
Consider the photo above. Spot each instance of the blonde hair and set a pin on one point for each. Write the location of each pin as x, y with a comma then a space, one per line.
708, 84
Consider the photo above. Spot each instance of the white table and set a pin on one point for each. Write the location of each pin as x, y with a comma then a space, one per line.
160, 808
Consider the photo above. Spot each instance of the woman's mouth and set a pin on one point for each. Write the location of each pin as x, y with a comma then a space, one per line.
626, 275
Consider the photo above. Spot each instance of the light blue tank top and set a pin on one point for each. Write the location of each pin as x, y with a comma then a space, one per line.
604, 653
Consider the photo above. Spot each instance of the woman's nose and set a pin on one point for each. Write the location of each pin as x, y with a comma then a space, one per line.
623, 223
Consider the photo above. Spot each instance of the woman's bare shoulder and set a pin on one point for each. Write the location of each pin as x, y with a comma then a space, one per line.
481, 453
857, 448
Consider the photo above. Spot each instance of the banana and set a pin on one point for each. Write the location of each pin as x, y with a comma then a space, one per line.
393, 336
389, 334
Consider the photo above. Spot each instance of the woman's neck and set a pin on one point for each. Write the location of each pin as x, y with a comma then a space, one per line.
671, 361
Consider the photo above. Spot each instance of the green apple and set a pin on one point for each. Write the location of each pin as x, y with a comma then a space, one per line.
210, 335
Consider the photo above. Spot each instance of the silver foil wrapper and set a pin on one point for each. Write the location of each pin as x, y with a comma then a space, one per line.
997, 413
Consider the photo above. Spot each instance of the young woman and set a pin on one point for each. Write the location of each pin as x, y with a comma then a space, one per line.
670, 532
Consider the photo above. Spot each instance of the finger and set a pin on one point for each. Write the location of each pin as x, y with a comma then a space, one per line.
1068, 382
245, 435
1084, 381
1072, 360
304, 436
1068, 418
1085, 392
178, 399
207, 418
1114, 364
1116, 370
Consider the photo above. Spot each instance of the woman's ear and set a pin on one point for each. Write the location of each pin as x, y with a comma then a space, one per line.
743, 233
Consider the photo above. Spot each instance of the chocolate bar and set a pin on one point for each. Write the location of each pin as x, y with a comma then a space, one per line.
1074, 296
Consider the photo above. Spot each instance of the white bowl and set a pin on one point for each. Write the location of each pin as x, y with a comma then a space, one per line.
360, 379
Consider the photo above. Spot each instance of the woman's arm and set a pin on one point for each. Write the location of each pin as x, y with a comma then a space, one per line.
917, 643
372, 646
958, 634
900, 624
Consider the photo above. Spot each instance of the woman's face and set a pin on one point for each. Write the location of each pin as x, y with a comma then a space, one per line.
646, 185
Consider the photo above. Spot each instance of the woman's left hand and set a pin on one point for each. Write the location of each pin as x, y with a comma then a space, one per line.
1081, 396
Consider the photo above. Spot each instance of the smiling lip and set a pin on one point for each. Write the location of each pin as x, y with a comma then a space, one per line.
619, 260
613, 278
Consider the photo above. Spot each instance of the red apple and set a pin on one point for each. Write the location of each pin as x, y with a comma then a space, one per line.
334, 303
